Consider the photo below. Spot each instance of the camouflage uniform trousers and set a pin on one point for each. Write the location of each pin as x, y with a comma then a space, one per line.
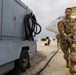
66, 49
58, 43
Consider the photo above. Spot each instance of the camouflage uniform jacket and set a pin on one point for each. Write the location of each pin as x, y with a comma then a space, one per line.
66, 29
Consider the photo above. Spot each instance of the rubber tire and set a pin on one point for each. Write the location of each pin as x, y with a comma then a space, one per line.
14, 72
19, 62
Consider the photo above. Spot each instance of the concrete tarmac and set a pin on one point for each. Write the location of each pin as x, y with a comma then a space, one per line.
57, 65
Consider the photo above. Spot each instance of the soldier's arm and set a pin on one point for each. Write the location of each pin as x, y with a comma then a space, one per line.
61, 30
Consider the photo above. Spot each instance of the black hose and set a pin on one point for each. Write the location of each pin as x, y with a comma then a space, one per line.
31, 26
47, 62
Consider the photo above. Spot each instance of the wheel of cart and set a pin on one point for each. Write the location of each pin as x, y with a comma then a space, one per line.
23, 62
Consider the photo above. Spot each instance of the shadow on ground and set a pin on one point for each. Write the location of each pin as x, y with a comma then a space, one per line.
36, 58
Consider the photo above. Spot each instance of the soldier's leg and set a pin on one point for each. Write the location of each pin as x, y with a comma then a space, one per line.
73, 61
72, 67
65, 49
58, 44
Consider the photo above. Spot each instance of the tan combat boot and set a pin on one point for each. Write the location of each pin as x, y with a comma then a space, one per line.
72, 68
68, 63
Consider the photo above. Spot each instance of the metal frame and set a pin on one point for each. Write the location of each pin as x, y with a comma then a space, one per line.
1, 11
21, 4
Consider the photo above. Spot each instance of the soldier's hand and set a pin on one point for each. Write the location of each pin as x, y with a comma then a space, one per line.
71, 42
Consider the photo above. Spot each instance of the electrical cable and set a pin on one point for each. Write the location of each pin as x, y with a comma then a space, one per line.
31, 26
47, 62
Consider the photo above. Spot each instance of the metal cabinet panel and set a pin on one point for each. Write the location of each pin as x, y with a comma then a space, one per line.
13, 16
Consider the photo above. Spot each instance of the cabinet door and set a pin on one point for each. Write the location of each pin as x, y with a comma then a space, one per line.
9, 18
13, 17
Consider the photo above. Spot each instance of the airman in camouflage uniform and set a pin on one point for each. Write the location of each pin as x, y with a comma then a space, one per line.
66, 29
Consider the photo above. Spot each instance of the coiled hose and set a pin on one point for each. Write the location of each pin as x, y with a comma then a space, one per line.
31, 26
